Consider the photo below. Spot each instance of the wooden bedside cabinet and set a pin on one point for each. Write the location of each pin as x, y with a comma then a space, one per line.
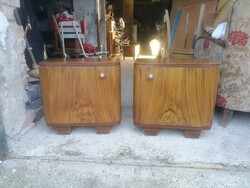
177, 93
81, 92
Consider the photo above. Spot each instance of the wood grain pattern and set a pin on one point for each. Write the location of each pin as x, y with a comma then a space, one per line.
180, 95
79, 93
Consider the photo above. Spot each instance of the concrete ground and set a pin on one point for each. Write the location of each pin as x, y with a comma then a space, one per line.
127, 158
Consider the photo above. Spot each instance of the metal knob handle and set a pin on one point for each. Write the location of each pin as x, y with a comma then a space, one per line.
150, 77
102, 75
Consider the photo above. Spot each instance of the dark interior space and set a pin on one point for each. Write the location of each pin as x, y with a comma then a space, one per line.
38, 13
117, 7
35, 17
146, 15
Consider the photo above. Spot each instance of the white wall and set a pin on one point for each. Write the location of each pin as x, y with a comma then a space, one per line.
87, 8
13, 74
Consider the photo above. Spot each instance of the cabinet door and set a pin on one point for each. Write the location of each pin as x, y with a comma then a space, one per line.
174, 96
81, 95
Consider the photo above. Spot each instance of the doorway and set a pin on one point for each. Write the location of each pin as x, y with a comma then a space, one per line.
146, 15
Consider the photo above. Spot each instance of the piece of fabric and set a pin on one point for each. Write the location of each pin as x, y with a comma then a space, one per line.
219, 32
234, 80
89, 48
207, 49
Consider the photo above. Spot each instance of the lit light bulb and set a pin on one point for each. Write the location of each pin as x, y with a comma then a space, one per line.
155, 47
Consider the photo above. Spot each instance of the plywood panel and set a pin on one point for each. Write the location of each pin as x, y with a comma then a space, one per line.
178, 4
185, 33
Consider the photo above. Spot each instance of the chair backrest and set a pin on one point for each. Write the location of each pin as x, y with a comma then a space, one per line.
71, 30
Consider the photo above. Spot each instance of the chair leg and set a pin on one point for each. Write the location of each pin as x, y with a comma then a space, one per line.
226, 117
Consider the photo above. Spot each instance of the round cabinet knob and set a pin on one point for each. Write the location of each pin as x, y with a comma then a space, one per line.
102, 75
150, 77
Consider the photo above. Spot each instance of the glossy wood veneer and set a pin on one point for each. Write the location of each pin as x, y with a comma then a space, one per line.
177, 93
81, 92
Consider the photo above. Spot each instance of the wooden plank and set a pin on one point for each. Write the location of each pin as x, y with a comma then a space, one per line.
221, 4
194, 2
201, 20
223, 15
186, 28
178, 4
185, 32
176, 22
57, 31
168, 45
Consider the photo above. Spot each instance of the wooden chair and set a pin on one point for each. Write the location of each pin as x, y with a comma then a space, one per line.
72, 30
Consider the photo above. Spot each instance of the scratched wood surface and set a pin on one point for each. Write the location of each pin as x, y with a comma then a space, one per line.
180, 95
79, 95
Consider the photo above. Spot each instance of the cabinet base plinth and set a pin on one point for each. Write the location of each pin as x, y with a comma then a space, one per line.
151, 131
63, 130
192, 133
102, 130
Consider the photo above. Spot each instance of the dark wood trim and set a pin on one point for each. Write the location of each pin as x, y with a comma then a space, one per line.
206, 127
216, 41
175, 62
192, 133
83, 124
75, 62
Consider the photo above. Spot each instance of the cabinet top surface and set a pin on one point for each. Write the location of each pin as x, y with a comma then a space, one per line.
176, 61
81, 62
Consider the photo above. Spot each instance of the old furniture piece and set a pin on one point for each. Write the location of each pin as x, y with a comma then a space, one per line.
72, 30
132, 50
176, 93
233, 88
81, 92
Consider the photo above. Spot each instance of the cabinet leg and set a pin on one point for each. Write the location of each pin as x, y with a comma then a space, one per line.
63, 130
102, 130
192, 133
226, 117
151, 131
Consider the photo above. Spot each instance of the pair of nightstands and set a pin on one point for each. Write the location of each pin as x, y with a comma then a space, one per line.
176, 93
